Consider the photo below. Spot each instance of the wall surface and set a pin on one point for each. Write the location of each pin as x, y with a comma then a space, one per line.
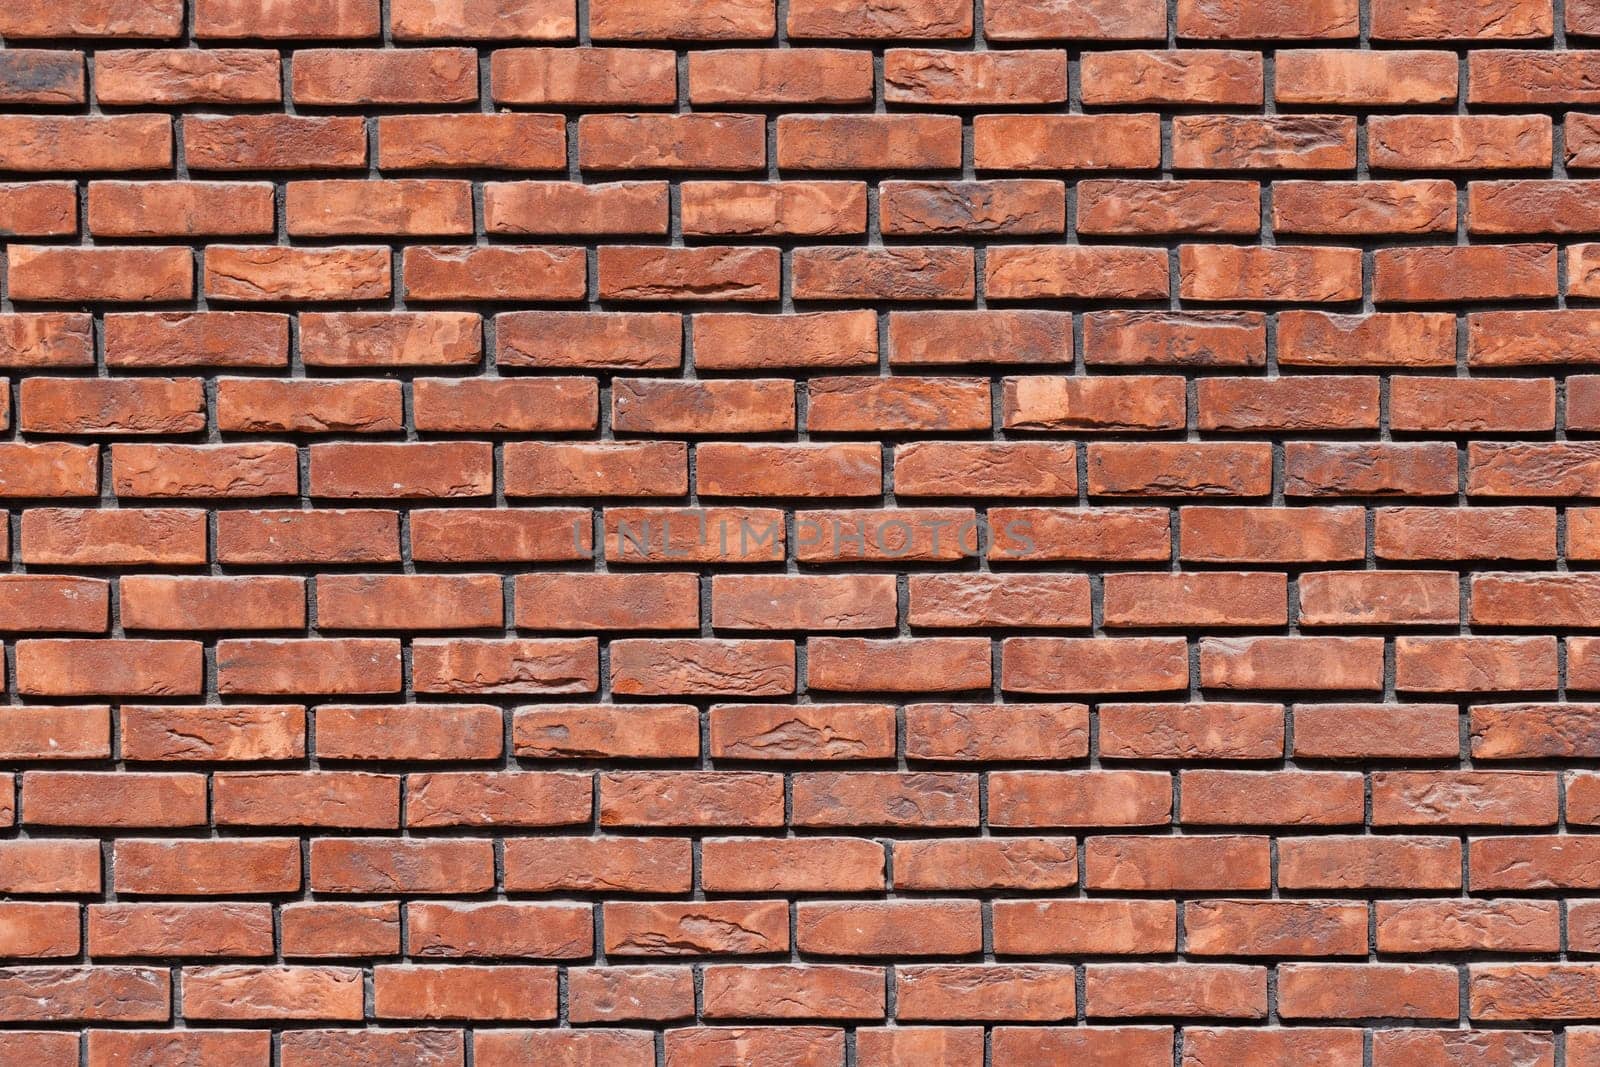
801, 533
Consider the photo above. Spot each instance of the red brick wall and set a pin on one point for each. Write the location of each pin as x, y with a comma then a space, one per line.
800, 533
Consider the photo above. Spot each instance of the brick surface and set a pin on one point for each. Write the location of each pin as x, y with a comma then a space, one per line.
802, 534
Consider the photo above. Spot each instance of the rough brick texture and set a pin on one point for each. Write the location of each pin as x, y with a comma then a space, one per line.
800, 533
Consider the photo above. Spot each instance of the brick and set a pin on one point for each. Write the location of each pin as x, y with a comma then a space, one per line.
47, 339
605, 77
421, 470
577, 731
758, 865
1326, 402
1402, 207
1344, 663
56, 733
1356, 990
1066, 142
614, 20
162, 76
617, 340
344, 665
725, 272
676, 142
208, 867
566, 207
1448, 142
633, 865
81, 18
1214, 730
868, 142
1029, 272
34, 143
999, 863
1286, 142
326, 536
1079, 798
483, 19
659, 667
1400, 339
379, 865
1366, 78
233, 732
1162, 338
39, 209
1026, 206
315, 930
162, 602
1216, 989
499, 141
1016, 76
204, 338
516, 666
1172, 76
268, 274
324, 18
419, 76
725, 209
1097, 20
254, 405
1348, 598
464, 535
755, 927
1298, 274
786, 76
1109, 206
349, 207
168, 209
403, 991
1472, 20
899, 927
1088, 665
1377, 731
119, 275
1277, 18
71, 667
1319, 470
605, 601
273, 142
644, 405
124, 536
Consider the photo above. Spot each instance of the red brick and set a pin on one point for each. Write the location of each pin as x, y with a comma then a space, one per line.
1450, 142
203, 338
614, 20
1010, 77
1011, 20
348, 207
719, 272
745, 209
483, 19
99, 18
267, 274
39, 209
1171, 76
120, 275
1066, 142
1275, 18
868, 142
322, 18
178, 209
85, 142
187, 76
1402, 207
69, 667
1466, 19
604, 77
1283, 142
274, 142
782, 76
1107, 206
1029, 272
498, 141
1343, 78
615, 340
233, 732
1281, 274
410, 76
